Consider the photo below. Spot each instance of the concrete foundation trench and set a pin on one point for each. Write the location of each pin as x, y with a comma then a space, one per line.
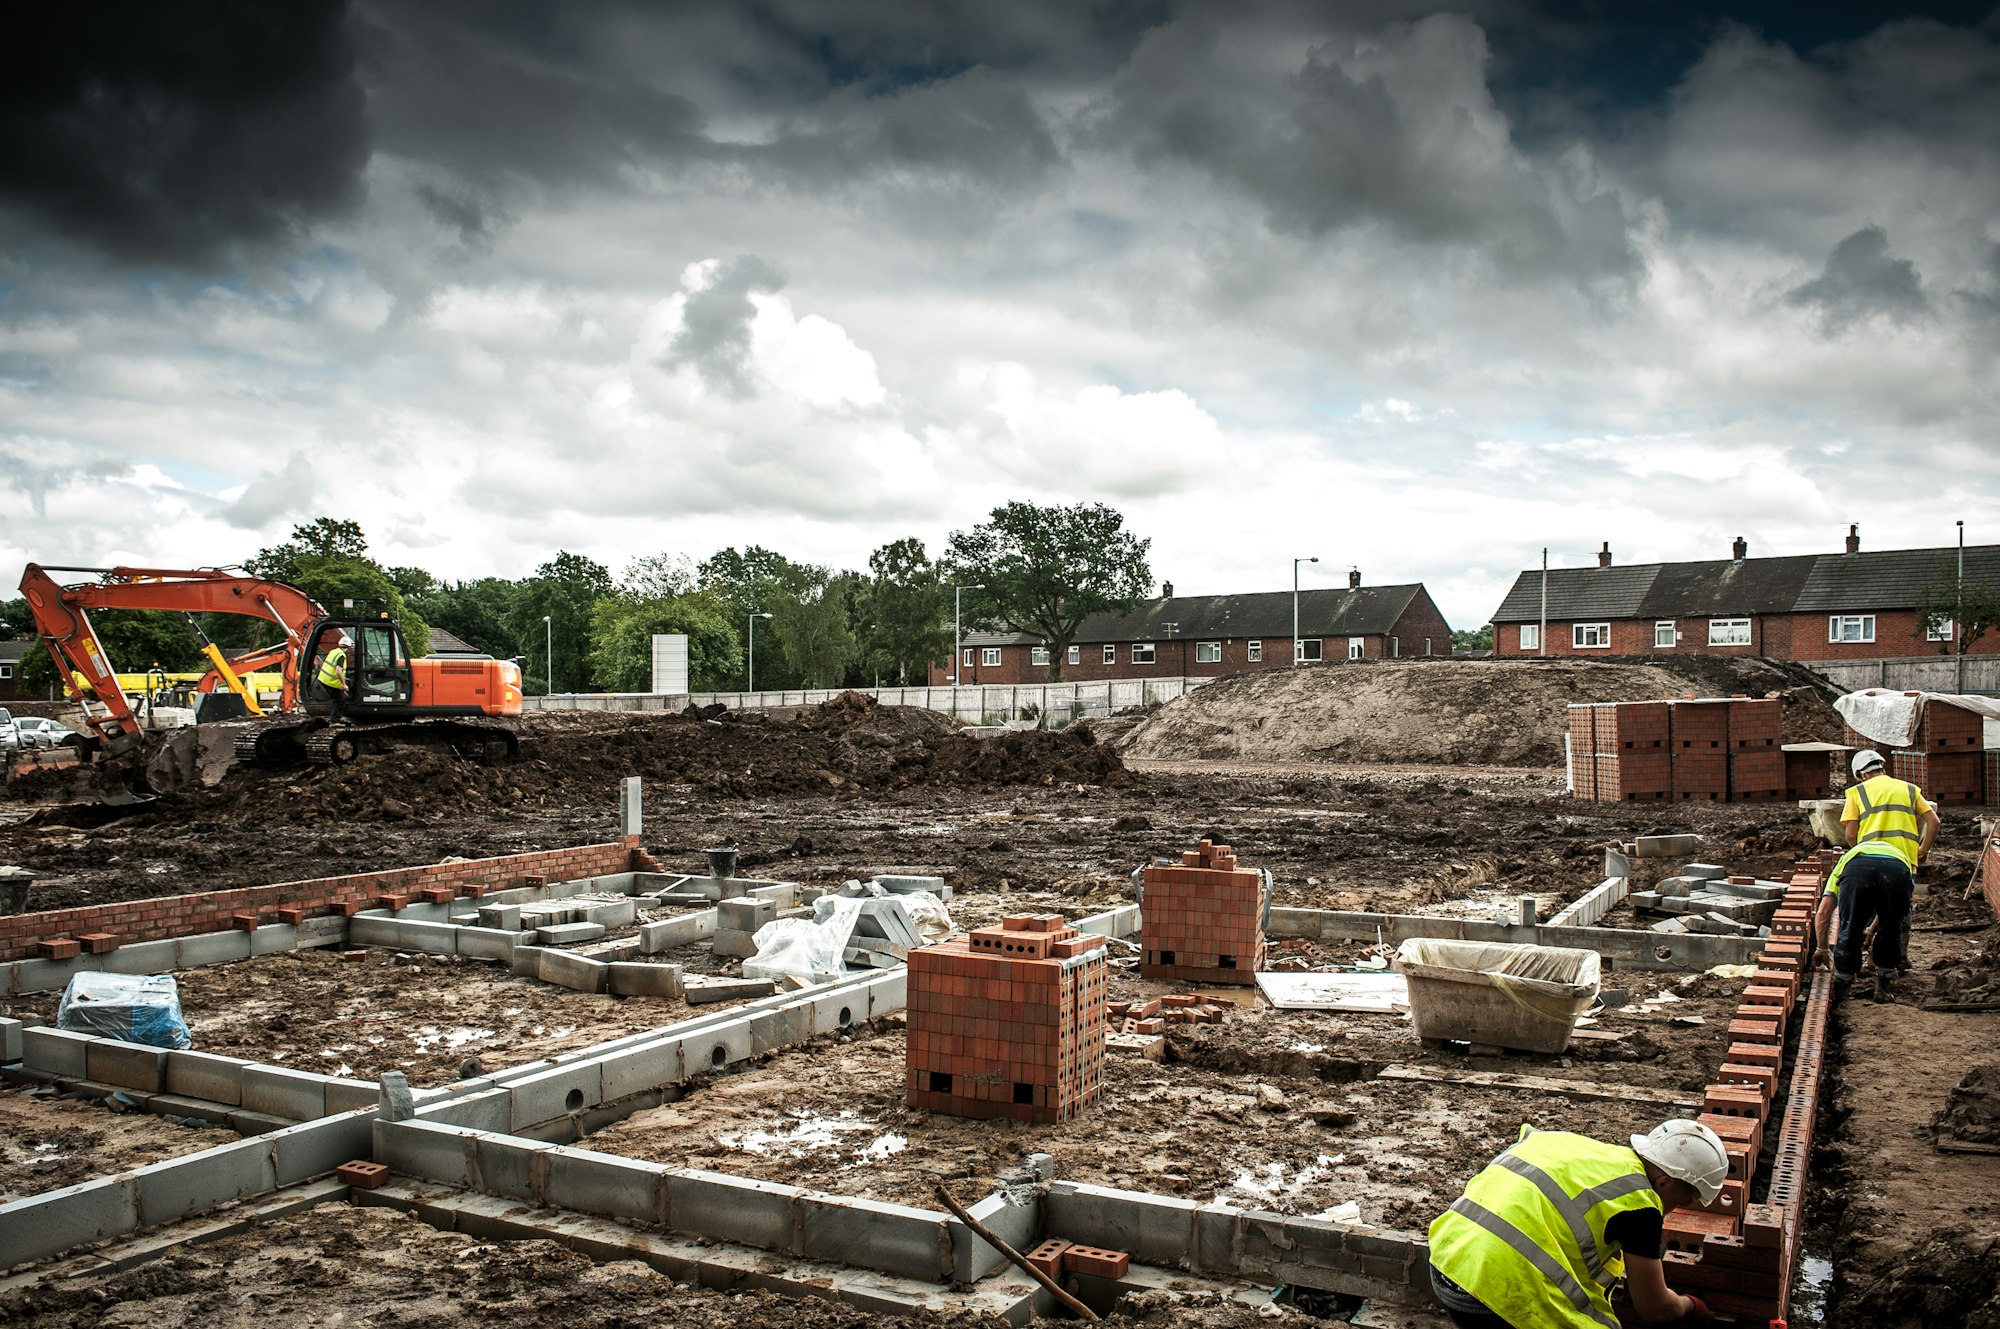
643, 1116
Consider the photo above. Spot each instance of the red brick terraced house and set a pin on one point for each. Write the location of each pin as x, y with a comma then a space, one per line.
1203, 636
1805, 607
12, 655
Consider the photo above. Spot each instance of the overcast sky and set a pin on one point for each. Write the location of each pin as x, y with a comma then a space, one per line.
1416, 291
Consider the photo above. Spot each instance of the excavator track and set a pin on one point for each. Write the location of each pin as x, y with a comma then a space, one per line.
316, 743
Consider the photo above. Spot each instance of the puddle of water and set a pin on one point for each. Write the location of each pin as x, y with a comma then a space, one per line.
935, 828
811, 1133
1307, 1047
430, 1036
1269, 1182
1810, 1289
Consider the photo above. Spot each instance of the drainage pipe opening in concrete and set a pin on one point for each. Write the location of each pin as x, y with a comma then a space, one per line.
573, 1101
846, 1017
719, 1057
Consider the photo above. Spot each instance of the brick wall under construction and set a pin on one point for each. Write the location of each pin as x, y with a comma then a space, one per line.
1008, 1022
1203, 921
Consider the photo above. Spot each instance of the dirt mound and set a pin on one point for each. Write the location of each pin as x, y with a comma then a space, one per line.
1445, 712
1972, 1112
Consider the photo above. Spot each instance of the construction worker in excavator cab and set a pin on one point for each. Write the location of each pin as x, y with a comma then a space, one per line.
1891, 827
333, 676
1544, 1232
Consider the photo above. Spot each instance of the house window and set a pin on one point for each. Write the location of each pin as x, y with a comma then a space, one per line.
1664, 635
1256, 649
1208, 652
1357, 647
1590, 634
989, 655
1938, 631
968, 655
1531, 637
1075, 655
1038, 656
6, 671
1308, 649
1850, 627
1729, 632
1111, 655
1142, 652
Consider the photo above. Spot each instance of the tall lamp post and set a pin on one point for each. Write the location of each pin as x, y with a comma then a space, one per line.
549, 654
1958, 614
1295, 605
750, 670
957, 652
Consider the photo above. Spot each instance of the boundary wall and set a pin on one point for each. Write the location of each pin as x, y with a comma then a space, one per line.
986, 703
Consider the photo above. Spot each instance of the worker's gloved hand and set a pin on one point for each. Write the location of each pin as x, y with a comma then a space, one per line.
1697, 1308
1823, 957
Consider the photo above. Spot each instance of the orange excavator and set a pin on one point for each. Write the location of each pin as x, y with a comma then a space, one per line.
393, 701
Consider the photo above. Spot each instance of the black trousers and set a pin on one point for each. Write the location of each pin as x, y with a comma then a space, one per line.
1873, 889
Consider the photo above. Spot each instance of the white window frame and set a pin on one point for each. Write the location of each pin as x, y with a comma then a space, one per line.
1142, 652
1427, 645
1580, 633
989, 657
1076, 655
1531, 636
1862, 625
1665, 634
1308, 648
1395, 648
1255, 647
1110, 654
1935, 632
967, 661
1357, 648
1038, 657
6, 671
1208, 652
1729, 632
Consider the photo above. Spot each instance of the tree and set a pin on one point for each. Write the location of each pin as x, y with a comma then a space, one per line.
359, 587
1046, 569
904, 612
1466, 640
565, 590
322, 537
477, 612
622, 628
810, 638
15, 619
1968, 612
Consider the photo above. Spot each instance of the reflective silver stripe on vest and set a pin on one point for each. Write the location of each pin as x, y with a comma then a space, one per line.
1869, 808
1576, 1211
1545, 1264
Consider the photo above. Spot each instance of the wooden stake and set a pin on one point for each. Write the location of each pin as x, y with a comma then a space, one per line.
987, 1235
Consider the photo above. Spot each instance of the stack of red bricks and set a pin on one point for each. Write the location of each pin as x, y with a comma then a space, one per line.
1056, 1257
1153, 1017
1008, 1022
1735, 1255
1204, 920
1712, 749
1947, 759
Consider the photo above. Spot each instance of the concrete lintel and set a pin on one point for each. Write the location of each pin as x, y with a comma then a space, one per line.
40, 1226
183, 1187
568, 970
279, 1091
1156, 1229
738, 1209
1122, 921
1593, 904
669, 933
206, 1075
1626, 948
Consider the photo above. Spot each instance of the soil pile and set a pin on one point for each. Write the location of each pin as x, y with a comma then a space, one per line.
1973, 976
1972, 1113
1444, 712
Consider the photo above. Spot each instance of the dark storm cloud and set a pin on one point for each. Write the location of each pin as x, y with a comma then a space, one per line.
715, 325
472, 212
172, 132
1862, 279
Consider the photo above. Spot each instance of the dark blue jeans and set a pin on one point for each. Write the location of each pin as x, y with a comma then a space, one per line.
1874, 889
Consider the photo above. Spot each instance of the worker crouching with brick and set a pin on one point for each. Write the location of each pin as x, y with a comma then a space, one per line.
1544, 1232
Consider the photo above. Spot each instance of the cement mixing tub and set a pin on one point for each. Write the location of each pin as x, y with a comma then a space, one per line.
1499, 995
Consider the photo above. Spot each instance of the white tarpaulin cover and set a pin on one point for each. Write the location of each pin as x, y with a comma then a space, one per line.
1891, 719
1382, 993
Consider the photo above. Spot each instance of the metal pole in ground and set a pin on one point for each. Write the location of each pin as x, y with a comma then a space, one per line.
1958, 614
750, 666
1295, 604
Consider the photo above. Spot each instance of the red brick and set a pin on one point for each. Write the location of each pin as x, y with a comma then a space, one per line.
58, 948
1048, 1257
362, 1173
97, 943
1096, 1261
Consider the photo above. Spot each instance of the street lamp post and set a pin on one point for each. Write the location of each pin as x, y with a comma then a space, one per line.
549, 653
1295, 605
957, 651
1958, 614
750, 669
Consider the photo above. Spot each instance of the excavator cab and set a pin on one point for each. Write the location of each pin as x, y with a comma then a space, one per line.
378, 667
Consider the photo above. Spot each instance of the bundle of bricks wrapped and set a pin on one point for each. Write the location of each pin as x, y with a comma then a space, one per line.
1738, 1256
1202, 921
1947, 758
1008, 1022
1696, 749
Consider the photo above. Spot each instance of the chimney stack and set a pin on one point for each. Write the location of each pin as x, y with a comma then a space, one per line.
1166, 590
1854, 538
1354, 579
1740, 550
1604, 555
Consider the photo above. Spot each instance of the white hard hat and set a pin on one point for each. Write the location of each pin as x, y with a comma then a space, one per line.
1686, 1151
346, 640
1865, 760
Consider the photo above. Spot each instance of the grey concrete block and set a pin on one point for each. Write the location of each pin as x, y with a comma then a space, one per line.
510, 1167
51, 975
724, 1045
888, 992
173, 1105
245, 1122
781, 1027
431, 938
725, 1208
274, 939
7, 978
281, 1092
563, 890
141, 957
642, 979
611, 913
1016, 1224
631, 806
329, 930
616, 883
182, 1187
314, 1148
744, 915
427, 1149
1704, 871
1156, 1229
423, 911
10, 1040
210, 948
639, 1069
484, 1110
594, 1183
372, 929
48, 1224
837, 1010
500, 917
126, 1065
343, 1095
525, 961
490, 943
53, 1051
578, 972
904, 884
707, 990
1215, 1235
733, 944
894, 1238
1294, 922
555, 1093
569, 934
669, 933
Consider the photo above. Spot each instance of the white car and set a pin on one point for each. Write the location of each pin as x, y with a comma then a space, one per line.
34, 731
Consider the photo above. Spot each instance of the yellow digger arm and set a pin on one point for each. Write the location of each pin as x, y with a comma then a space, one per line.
228, 675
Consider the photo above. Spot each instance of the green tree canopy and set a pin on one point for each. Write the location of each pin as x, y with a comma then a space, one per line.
621, 640
1046, 569
1467, 640
477, 612
1969, 611
358, 587
809, 640
904, 608
16, 620
565, 591
322, 537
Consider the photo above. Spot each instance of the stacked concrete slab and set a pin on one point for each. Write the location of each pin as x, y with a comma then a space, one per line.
1203, 921
1008, 1022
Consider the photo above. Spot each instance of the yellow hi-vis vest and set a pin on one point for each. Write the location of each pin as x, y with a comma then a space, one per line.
1889, 810
1527, 1237
333, 668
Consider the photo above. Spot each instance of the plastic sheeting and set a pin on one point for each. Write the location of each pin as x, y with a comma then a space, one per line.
1891, 719
815, 951
129, 1007
1497, 992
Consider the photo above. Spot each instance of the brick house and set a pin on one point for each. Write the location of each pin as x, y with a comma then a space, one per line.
1204, 636
11, 656
1806, 607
